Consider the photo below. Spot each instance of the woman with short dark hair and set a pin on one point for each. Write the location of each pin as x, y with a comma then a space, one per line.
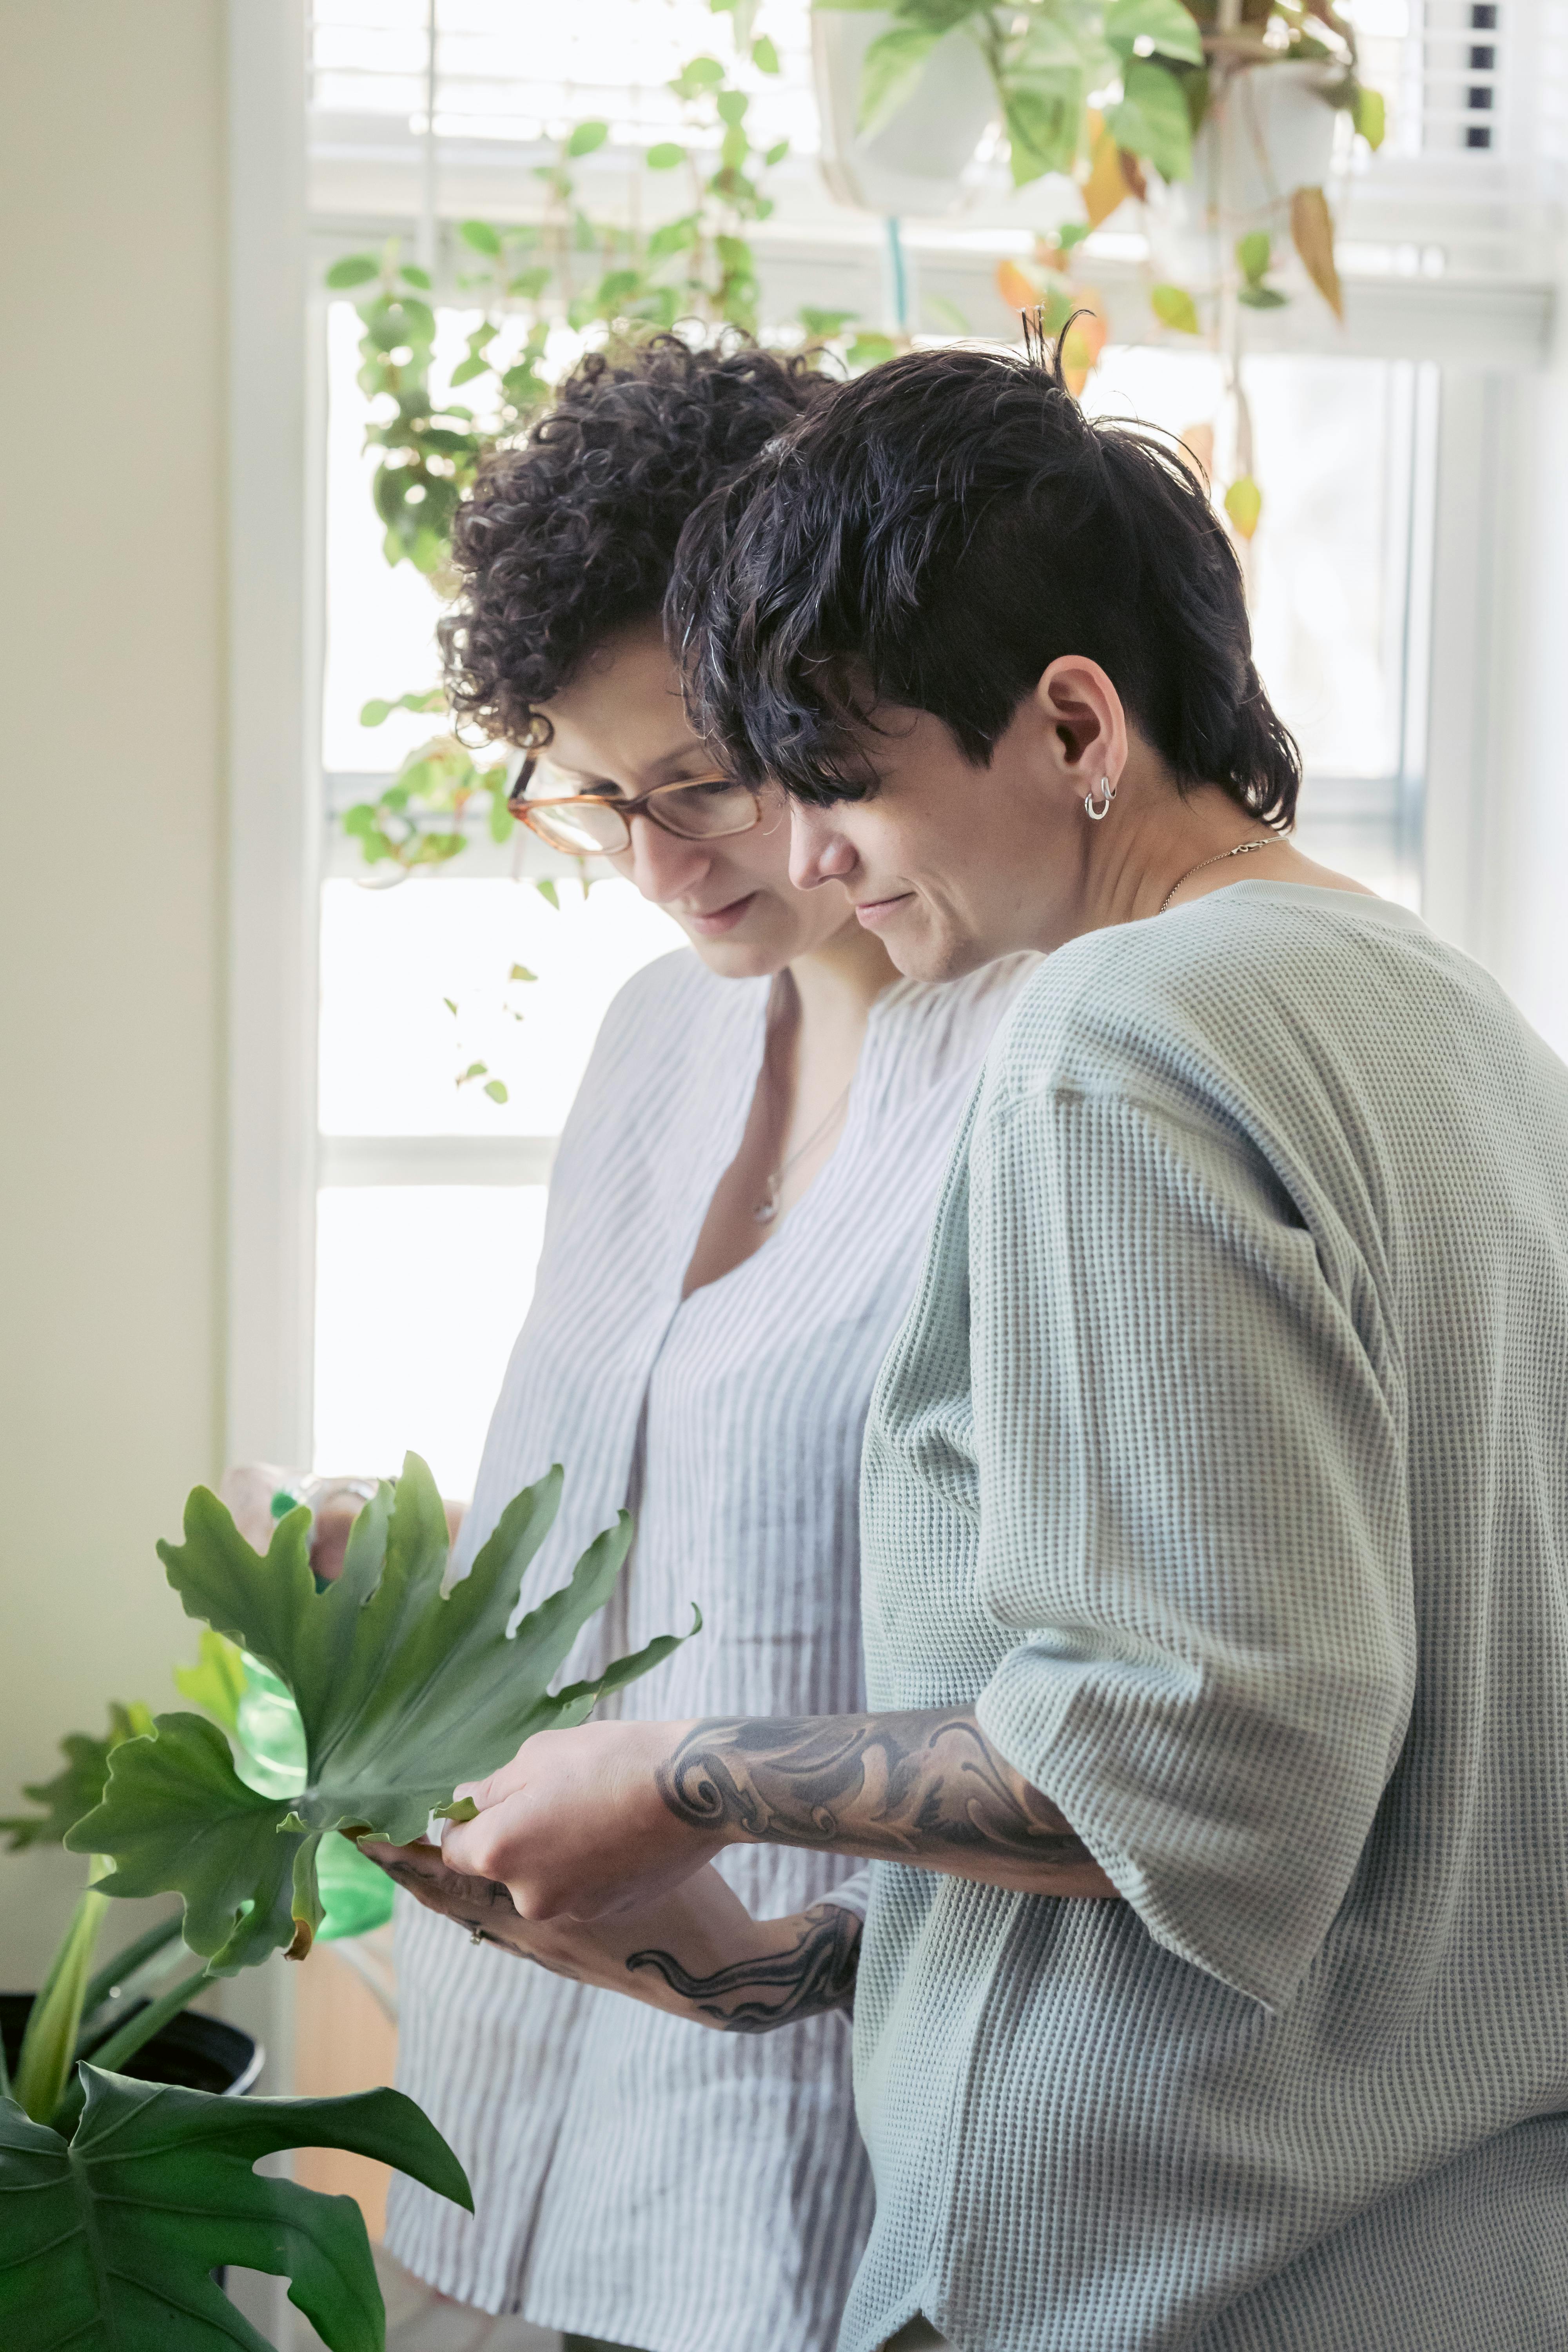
707, 1320
1216, 1498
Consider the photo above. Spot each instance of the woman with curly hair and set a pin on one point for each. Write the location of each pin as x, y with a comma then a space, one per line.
711, 1308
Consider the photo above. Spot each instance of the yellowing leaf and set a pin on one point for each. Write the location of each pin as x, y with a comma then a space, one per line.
1018, 290
1105, 187
1369, 115
1174, 307
1085, 340
1197, 446
1313, 227
1244, 504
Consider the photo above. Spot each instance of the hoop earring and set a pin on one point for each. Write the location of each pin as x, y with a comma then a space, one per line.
1097, 805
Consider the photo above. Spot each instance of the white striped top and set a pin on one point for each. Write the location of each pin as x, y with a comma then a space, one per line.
639, 2179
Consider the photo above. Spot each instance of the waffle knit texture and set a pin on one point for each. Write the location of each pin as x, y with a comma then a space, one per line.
1222, 1461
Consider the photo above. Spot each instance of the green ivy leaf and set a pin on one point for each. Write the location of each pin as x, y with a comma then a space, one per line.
112, 2238
732, 106
1152, 120
547, 891
870, 350
522, 972
1041, 120
354, 269
415, 275
765, 57
696, 76
496, 1090
479, 237
586, 137
1252, 253
1165, 25
824, 324
1262, 298
665, 156
1174, 307
401, 1691
776, 153
673, 236
1369, 114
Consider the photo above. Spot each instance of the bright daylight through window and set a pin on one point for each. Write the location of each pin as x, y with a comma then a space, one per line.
519, 166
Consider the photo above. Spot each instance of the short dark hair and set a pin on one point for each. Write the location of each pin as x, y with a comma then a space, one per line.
571, 532
934, 536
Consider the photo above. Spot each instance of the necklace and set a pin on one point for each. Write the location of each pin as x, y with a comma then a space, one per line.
767, 1208
1263, 841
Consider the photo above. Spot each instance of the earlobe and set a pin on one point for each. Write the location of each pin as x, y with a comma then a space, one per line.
1087, 724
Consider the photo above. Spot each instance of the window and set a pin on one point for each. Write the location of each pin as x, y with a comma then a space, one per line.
433, 1191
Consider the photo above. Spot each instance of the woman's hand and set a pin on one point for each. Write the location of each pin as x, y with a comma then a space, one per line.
615, 1816
575, 1827
698, 1955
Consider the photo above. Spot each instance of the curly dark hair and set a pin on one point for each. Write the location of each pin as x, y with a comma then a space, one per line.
571, 532
935, 536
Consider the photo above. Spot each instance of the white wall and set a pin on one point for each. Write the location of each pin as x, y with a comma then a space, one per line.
112, 927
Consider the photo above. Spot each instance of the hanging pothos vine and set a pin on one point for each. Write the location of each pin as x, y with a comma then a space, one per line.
566, 270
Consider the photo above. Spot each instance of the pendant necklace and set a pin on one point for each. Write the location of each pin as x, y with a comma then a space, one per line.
767, 1208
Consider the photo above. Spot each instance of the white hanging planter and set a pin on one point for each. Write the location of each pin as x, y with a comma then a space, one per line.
1272, 133
915, 165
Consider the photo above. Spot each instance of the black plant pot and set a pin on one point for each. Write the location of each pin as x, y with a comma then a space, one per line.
197, 2053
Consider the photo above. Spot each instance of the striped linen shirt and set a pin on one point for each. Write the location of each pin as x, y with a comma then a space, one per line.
639, 2179
1223, 1460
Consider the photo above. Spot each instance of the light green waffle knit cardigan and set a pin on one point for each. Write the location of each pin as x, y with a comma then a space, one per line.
1222, 1460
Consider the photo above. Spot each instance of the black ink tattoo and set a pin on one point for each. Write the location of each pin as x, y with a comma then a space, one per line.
902, 1788
817, 1973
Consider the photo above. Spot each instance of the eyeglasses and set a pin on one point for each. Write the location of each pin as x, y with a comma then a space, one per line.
585, 825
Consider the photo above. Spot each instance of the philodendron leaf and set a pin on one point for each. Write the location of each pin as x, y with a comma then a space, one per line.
76, 1790
402, 1693
110, 2238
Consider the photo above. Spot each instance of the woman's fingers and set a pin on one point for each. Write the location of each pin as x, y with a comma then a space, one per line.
480, 1905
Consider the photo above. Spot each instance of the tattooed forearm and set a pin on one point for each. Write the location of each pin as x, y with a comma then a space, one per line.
926, 1788
815, 1972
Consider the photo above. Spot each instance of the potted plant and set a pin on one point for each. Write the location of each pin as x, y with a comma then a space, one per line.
120, 2195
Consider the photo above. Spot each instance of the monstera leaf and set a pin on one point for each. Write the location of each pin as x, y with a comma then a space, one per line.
402, 1692
110, 2237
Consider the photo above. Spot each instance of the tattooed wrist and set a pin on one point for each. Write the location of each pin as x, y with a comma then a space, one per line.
814, 1973
920, 1788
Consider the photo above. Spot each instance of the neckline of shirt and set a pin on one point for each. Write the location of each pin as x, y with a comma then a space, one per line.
1303, 893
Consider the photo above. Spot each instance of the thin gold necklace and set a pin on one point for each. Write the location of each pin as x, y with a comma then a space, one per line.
767, 1208
1263, 841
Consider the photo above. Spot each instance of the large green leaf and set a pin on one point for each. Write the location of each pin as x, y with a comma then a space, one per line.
76, 1790
109, 2240
1153, 119
1165, 25
401, 1691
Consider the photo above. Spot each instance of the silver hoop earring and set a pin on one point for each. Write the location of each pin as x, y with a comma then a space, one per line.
1098, 805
